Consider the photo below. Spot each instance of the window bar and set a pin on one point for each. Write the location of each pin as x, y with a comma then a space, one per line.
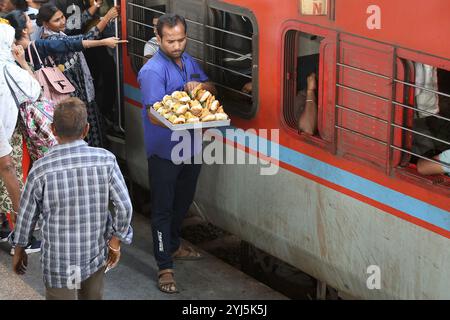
135, 54
144, 41
229, 70
364, 71
143, 7
229, 51
231, 89
140, 23
421, 111
194, 22
419, 87
149, 26
229, 32
292, 82
334, 147
362, 114
422, 157
362, 92
137, 39
205, 33
119, 83
390, 128
421, 134
362, 135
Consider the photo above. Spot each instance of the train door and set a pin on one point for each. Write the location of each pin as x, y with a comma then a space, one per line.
140, 15
221, 37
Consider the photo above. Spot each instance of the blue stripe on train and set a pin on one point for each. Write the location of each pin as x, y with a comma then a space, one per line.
367, 188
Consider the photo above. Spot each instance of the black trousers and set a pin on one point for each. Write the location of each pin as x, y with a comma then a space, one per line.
173, 189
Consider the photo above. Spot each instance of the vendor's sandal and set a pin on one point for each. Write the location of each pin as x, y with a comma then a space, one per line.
166, 282
185, 252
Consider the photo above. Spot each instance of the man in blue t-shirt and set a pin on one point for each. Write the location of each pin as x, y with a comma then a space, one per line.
172, 185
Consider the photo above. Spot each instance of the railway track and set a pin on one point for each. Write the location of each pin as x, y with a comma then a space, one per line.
265, 268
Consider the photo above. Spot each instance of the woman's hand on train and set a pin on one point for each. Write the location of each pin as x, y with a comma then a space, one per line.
112, 13
19, 55
112, 42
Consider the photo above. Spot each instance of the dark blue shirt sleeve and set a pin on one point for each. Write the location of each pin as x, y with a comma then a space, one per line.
47, 47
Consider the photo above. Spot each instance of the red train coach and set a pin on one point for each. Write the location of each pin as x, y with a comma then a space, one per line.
348, 199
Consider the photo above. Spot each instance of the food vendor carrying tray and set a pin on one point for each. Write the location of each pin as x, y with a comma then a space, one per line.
181, 111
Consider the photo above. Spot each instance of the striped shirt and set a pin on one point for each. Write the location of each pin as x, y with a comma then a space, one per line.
71, 187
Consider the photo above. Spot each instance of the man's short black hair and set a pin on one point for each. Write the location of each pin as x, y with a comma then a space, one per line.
70, 118
169, 20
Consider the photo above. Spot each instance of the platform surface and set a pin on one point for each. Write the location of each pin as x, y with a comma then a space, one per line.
135, 276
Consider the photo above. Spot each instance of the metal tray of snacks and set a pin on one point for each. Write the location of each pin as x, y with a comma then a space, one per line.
182, 111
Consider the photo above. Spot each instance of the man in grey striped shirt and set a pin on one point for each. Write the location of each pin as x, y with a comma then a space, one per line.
71, 187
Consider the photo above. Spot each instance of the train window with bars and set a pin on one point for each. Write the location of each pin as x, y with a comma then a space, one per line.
221, 37
141, 15
309, 85
231, 58
426, 146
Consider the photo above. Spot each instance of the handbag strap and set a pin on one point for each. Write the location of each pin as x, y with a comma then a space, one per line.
5, 73
33, 45
8, 75
50, 59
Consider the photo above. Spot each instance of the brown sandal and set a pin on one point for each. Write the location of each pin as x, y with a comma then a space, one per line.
167, 285
190, 253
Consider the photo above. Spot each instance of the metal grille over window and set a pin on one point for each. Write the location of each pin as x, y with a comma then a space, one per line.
428, 107
229, 58
220, 37
364, 101
140, 17
391, 112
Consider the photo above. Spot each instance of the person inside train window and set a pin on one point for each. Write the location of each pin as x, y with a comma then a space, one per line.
427, 167
305, 108
152, 45
234, 70
427, 124
172, 183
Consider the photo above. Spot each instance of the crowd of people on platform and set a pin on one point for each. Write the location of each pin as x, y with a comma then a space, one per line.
67, 193
76, 193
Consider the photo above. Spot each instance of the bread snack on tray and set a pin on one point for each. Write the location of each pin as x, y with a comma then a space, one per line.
198, 106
